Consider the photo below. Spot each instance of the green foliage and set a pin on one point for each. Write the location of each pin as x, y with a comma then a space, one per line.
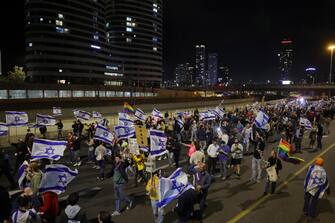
16, 75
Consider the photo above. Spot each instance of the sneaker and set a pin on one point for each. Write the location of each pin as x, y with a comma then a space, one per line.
75, 164
223, 178
94, 167
79, 163
97, 167
130, 205
116, 213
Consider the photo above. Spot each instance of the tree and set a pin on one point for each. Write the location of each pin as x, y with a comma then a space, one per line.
17, 75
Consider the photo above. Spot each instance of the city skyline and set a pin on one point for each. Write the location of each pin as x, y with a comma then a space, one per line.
246, 37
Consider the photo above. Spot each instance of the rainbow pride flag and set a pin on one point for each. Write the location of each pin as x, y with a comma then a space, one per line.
285, 152
127, 108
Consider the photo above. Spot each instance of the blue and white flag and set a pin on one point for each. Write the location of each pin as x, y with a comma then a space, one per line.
48, 149
180, 122
96, 114
14, 118
45, 120
156, 113
157, 142
218, 112
104, 122
306, 123
56, 177
261, 119
21, 175
206, 116
3, 129
172, 187
140, 115
316, 182
56, 111
103, 134
83, 115
123, 115
125, 122
124, 132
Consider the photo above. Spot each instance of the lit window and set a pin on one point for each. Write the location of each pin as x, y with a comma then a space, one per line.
60, 16
59, 23
128, 23
96, 47
128, 40
129, 19
60, 29
154, 39
60, 70
28, 23
155, 10
95, 37
134, 35
113, 74
61, 81
112, 67
154, 48
129, 29
41, 19
66, 30
30, 44
154, 5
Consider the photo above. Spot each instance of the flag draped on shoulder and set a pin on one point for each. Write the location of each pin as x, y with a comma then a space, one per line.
316, 182
156, 113
14, 118
125, 122
56, 177
157, 142
3, 129
97, 115
261, 119
83, 115
127, 108
285, 153
45, 120
306, 123
56, 111
48, 149
103, 134
140, 115
124, 132
172, 187
21, 175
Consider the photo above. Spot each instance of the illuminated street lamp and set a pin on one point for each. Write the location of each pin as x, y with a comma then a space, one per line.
331, 48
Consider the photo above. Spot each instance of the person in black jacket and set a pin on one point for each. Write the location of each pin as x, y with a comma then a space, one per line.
185, 206
72, 212
272, 161
5, 205
21, 152
5, 168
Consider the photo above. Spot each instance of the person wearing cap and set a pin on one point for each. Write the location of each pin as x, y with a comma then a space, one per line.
315, 185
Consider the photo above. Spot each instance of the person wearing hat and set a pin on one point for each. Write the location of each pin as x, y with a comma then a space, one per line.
315, 185
152, 188
236, 151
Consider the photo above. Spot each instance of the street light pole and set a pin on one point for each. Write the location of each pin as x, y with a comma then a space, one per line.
331, 48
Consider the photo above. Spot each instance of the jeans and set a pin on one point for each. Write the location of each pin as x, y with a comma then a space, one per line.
319, 142
269, 185
310, 204
256, 169
176, 154
298, 144
223, 167
101, 164
157, 212
202, 200
193, 135
91, 155
73, 155
170, 154
211, 165
120, 196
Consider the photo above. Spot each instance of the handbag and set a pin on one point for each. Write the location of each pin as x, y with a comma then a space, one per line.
272, 173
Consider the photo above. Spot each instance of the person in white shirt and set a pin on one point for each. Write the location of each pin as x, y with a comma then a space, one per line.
100, 152
237, 155
247, 136
212, 152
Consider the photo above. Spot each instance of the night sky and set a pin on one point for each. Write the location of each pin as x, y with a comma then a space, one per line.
246, 36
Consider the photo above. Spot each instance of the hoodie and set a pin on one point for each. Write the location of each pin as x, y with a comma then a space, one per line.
72, 214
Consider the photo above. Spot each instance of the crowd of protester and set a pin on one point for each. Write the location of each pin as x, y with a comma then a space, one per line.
214, 149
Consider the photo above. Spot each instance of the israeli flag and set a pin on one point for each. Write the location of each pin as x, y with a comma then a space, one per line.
172, 187
157, 142
306, 123
219, 112
126, 122
96, 114
56, 111
124, 132
156, 113
261, 119
56, 177
83, 115
123, 115
45, 120
316, 182
21, 176
14, 118
48, 149
180, 122
140, 115
104, 122
103, 134
3, 129
206, 116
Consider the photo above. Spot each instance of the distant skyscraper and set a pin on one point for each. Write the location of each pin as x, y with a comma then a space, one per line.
285, 57
183, 74
223, 75
212, 69
134, 30
200, 76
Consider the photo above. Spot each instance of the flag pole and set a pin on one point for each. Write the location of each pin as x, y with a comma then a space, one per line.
8, 135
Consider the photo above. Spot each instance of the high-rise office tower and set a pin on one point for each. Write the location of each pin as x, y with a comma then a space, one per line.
223, 75
134, 32
183, 74
285, 57
66, 41
212, 62
200, 76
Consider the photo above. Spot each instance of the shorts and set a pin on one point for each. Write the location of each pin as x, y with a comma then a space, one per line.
236, 161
